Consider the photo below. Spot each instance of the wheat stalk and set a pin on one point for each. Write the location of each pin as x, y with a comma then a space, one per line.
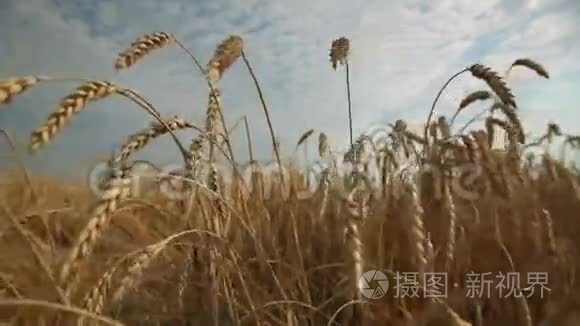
267, 114
58, 307
213, 93
432, 111
248, 139
523, 308
141, 47
339, 51
33, 244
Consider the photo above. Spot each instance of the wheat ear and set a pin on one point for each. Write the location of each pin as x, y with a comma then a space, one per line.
118, 190
185, 276
140, 139
11, 87
213, 123
70, 105
451, 237
339, 50
444, 127
144, 45
417, 230
354, 242
325, 189
473, 97
470, 99
141, 47
85, 93
515, 122
549, 238
495, 82
304, 137
323, 146
533, 65
142, 259
94, 300
210, 83
225, 55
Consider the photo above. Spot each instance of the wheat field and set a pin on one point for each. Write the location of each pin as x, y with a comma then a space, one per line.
278, 248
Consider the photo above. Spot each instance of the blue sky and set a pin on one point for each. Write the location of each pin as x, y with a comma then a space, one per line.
402, 52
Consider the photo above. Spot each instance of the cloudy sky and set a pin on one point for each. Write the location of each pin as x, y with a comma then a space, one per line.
402, 52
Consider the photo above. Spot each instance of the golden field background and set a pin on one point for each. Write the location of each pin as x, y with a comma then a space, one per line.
236, 256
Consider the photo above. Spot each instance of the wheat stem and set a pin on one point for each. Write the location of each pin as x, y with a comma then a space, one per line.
426, 128
349, 100
213, 93
58, 307
249, 138
265, 107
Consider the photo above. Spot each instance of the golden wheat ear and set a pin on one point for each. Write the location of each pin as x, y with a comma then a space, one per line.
69, 105
531, 64
225, 55
339, 50
495, 82
141, 47
13, 86
139, 140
